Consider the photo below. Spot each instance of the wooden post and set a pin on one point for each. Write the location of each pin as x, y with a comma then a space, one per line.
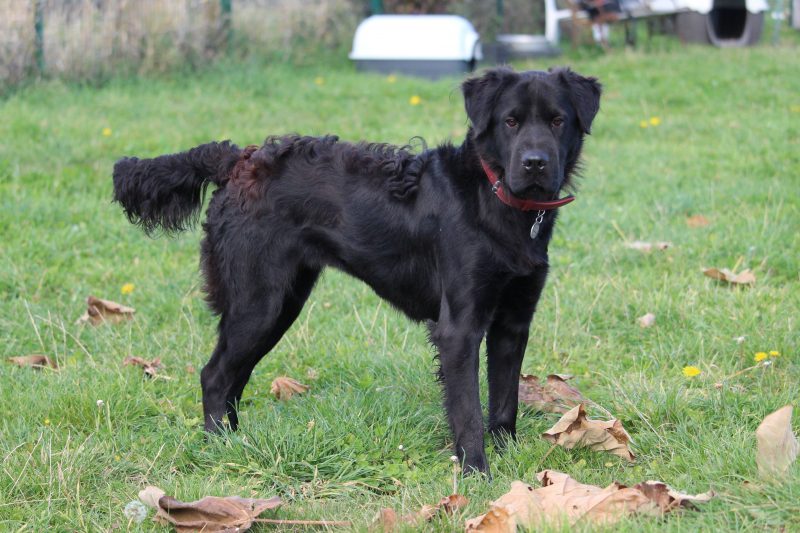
38, 26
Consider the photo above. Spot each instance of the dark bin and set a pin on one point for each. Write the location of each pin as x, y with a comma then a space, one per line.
729, 23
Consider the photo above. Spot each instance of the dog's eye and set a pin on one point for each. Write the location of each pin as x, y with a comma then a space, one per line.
558, 121
511, 122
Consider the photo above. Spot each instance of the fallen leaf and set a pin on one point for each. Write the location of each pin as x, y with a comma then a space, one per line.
211, 513
101, 311
562, 501
668, 499
574, 430
647, 320
554, 396
643, 246
697, 221
777, 445
285, 387
745, 277
150, 367
387, 519
34, 361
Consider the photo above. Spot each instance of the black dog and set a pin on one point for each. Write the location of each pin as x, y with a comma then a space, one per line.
456, 236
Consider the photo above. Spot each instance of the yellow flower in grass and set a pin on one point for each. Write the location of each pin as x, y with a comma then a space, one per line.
106, 132
127, 288
391, 78
691, 371
760, 356
643, 124
319, 80
774, 353
794, 108
655, 121
415, 100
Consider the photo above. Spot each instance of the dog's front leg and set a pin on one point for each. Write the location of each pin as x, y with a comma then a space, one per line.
458, 343
505, 344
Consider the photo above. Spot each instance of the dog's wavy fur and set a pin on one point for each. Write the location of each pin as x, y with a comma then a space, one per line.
424, 230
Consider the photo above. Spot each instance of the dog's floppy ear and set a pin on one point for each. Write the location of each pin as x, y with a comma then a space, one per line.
481, 93
584, 93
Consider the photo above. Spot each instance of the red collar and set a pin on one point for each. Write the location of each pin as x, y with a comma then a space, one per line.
518, 203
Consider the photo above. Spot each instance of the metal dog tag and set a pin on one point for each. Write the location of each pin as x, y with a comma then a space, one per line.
536, 224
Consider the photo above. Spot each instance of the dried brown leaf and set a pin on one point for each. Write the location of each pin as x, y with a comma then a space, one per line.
646, 321
562, 501
745, 277
36, 361
211, 513
668, 499
777, 445
554, 396
150, 368
575, 430
643, 246
697, 221
100, 311
285, 387
387, 519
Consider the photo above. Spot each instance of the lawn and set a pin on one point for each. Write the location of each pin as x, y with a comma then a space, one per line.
722, 140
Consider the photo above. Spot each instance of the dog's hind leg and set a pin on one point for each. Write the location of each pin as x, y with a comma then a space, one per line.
248, 331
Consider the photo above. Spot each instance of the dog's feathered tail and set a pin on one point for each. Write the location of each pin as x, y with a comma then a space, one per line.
166, 192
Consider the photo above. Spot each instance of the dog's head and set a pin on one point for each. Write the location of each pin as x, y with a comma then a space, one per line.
530, 125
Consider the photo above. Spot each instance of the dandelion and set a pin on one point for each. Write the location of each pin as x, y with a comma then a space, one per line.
774, 353
655, 121
794, 108
739, 340
415, 100
319, 80
106, 132
691, 371
643, 124
46, 421
100, 403
760, 356
135, 511
401, 448
454, 458
391, 78
127, 288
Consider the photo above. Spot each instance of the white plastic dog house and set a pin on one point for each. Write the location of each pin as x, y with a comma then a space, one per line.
430, 46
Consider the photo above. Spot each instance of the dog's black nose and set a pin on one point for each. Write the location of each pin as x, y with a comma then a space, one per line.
535, 160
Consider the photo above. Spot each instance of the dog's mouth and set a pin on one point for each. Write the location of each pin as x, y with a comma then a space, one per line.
534, 192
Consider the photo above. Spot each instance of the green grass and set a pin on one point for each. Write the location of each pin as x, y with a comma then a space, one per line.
728, 147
